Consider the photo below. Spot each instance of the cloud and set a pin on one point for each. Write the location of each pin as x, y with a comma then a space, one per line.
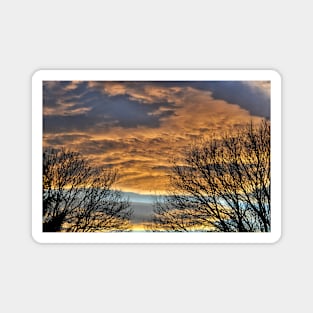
142, 212
73, 85
262, 86
251, 96
63, 98
138, 127
147, 92
87, 107
65, 139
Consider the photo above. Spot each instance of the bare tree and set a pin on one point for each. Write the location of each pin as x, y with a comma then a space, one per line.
78, 197
221, 185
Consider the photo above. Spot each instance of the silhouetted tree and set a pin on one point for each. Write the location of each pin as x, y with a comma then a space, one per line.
78, 197
221, 185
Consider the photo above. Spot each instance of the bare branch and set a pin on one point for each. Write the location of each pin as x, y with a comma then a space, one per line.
221, 185
78, 197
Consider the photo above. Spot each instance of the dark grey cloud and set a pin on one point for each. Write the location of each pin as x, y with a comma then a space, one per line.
85, 108
142, 212
95, 147
55, 140
164, 168
255, 100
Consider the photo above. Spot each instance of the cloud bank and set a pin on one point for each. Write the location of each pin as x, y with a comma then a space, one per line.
137, 127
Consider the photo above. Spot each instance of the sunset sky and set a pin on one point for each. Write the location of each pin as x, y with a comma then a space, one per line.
137, 127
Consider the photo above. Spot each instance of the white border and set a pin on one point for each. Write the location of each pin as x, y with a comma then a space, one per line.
165, 75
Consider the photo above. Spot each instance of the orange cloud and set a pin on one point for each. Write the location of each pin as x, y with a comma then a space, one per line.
142, 154
144, 92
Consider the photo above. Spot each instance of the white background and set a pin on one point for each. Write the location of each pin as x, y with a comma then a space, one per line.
161, 34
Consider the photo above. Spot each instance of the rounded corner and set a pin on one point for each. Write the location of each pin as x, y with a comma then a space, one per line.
37, 74
36, 238
276, 238
276, 74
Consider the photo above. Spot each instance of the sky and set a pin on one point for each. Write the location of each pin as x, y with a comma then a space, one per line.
138, 127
